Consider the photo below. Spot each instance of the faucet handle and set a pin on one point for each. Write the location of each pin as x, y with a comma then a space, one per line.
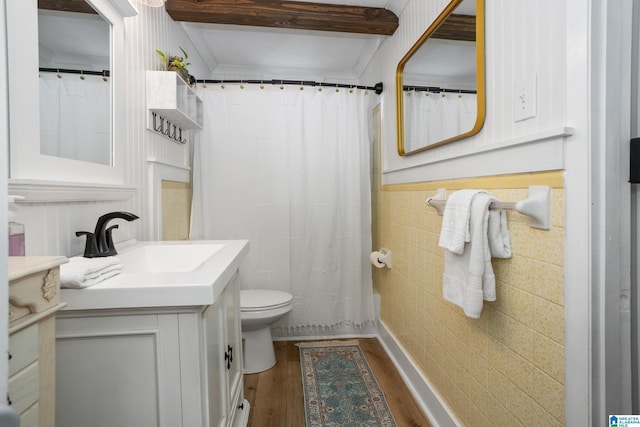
90, 247
109, 238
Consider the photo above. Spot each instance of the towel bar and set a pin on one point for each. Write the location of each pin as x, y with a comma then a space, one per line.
537, 206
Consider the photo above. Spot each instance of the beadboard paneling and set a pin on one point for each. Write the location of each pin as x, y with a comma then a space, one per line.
522, 38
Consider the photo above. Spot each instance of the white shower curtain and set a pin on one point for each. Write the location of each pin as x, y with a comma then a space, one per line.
288, 169
432, 117
75, 117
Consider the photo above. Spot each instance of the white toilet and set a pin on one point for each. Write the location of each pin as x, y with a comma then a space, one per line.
259, 309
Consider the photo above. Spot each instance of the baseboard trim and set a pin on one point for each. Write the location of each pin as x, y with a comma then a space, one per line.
434, 407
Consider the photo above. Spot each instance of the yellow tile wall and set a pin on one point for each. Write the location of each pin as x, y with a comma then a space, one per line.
506, 368
176, 210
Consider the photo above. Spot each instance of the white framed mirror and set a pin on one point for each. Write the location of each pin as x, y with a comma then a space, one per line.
27, 163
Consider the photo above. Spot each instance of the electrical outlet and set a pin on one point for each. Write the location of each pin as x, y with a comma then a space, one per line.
524, 104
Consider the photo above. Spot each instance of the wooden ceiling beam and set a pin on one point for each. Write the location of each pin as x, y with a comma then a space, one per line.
80, 6
457, 27
286, 14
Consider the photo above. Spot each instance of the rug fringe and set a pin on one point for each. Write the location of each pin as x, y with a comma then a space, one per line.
333, 343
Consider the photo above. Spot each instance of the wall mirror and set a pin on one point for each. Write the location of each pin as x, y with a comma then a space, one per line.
75, 86
440, 92
29, 165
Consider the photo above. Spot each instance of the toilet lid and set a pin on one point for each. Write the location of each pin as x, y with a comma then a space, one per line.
263, 299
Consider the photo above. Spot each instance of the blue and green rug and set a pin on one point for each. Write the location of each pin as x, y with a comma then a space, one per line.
339, 387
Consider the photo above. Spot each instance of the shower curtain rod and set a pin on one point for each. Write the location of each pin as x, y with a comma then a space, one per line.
435, 89
104, 73
377, 88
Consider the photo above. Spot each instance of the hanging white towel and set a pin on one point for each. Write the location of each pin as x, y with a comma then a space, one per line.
82, 272
499, 239
468, 277
455, 221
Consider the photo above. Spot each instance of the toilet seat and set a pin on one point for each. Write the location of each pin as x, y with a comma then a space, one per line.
263, 299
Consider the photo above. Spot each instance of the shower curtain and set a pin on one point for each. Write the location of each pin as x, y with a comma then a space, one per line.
288, 169
75, 117
432, 117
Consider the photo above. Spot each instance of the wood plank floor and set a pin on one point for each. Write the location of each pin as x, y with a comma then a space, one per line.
277, 400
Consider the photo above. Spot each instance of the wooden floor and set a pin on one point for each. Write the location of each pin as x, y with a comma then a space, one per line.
277, 400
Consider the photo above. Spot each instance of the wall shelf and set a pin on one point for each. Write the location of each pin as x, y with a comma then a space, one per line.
172, 100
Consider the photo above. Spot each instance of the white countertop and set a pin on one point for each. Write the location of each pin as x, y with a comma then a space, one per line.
199, 287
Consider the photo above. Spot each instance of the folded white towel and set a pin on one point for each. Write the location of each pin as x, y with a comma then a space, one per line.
455, 220
468, 277
82, 272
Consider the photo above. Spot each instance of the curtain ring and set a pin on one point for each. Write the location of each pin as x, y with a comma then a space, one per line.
104, 75
221, 85
241, 85
460, 93
204, 84
81, 75
350, 89
261, 84
337, 90
58, 75
301, 86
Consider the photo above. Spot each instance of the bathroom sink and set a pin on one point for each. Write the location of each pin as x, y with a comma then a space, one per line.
168, 258
164, 274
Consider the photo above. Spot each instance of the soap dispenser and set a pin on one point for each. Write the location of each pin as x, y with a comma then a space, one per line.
16, 230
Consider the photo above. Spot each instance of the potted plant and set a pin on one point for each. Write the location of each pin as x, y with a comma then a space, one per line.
178, 64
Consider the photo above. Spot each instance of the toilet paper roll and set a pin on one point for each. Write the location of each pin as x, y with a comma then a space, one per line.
375, 259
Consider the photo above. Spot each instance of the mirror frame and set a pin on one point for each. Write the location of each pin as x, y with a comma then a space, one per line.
480, 78
27, 165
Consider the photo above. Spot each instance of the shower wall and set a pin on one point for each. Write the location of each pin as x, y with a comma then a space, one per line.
506, 368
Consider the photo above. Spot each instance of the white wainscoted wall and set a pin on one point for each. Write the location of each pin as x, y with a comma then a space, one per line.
50, 227
522, 38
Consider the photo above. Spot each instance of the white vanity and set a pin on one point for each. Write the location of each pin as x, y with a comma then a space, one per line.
159, 344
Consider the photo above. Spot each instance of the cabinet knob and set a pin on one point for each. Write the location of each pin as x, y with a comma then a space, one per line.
230, 350
241, 406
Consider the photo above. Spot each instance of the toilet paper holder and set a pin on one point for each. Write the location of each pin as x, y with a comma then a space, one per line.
381, 258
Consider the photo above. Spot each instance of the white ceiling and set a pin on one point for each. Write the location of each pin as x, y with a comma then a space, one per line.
232, 51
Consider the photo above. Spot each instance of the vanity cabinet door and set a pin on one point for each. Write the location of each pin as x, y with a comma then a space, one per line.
216, 376
234, 344
118, 370
223, 340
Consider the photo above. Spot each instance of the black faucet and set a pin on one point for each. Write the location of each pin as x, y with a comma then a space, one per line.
100, 242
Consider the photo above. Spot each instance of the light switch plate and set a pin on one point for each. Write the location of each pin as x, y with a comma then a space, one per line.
525, 101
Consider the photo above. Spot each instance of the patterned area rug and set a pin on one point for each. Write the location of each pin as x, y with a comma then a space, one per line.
339, 387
